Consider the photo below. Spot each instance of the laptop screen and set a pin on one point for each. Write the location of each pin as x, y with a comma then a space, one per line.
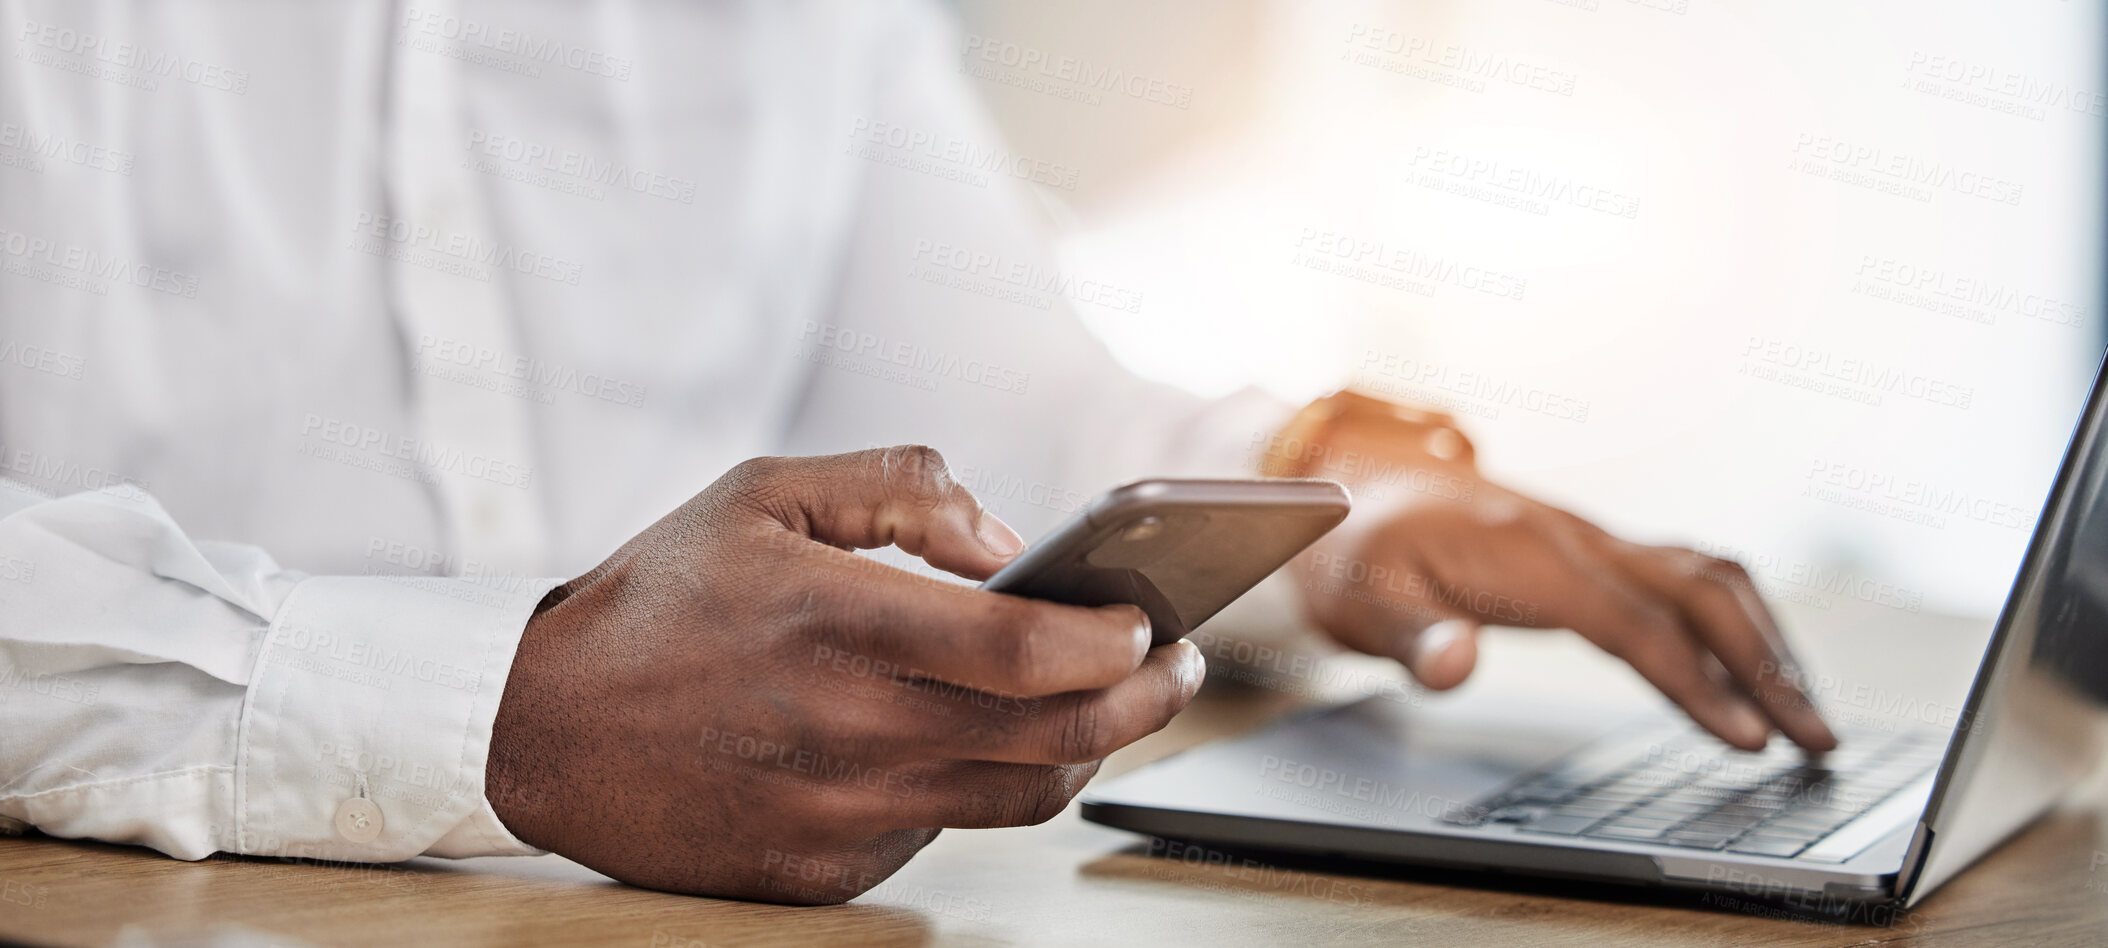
2034, 724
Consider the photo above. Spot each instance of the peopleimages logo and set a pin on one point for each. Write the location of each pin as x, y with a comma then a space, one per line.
1849, 376
584, 169
92, 270
1965, 295
951, 156
1451, 64
1463, 390
361, 654
824, 337
1037, 283
1065, 76
1506, 184
1899, 173
1409, 269
24, 894
520, 375
61, 148
489, 36
373, 442
1909, 498
457, 253
41, 359
1982, 84
144, 62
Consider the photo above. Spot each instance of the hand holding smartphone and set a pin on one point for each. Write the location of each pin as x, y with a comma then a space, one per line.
1181, 549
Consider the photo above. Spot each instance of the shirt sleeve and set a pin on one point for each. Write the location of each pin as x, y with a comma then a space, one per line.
954, 324
193, 697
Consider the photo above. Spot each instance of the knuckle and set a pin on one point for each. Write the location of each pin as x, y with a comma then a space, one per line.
1656, 624
1021, 648
918, 471
1084, 735
918, 457
1050, 795
849, 732
1655, 659
1175, 700
753, 472
1716, 570
1651, 640
811, 620
1725, 604
757, 482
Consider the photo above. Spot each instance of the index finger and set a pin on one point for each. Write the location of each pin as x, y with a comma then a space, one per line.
1722, 606
1628, 620
955, 633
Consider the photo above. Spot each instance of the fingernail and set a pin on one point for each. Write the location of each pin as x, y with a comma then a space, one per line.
1143, 632
1196, 668
998, 537
1747, 725
1433, 641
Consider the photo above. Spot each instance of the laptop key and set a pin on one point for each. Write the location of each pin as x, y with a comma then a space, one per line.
1788, 826
1666, 810
1709, 825
1541, 790
1635, 834
1646, 822
1777, 831
1617, 796
1702, 840
1779, 846
1556, 825
1697, 795
1827, 816
1470, 814
1741, 813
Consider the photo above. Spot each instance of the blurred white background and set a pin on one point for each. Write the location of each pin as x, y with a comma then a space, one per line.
1807, 283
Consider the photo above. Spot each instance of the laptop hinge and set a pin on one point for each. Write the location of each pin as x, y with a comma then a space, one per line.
1913, 861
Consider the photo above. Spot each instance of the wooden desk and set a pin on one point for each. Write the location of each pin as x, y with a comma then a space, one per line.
1064, 882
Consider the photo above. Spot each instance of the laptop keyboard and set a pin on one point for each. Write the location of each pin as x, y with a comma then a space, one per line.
1694, 792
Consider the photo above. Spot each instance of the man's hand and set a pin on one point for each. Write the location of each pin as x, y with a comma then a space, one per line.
734, 705
1414, 580
1433, 550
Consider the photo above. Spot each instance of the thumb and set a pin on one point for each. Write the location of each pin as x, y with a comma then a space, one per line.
1440, 654
1437, 642
901, 496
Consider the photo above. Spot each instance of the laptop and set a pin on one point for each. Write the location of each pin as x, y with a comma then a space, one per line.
1507, 780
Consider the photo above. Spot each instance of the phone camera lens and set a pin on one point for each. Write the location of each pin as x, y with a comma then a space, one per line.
1144, 529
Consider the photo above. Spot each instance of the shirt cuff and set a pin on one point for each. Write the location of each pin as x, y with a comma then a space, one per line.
368, 720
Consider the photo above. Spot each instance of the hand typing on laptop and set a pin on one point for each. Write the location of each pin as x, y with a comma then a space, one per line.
1433, 550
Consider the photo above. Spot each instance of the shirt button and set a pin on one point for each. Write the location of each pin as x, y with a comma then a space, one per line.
359, 820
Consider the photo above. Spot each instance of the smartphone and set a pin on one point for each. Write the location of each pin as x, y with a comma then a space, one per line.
1181, 549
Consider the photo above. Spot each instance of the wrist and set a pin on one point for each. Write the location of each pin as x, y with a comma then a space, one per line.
1358, 439
508, 770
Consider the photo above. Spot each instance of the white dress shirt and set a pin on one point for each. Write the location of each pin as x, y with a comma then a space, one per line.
331, 333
